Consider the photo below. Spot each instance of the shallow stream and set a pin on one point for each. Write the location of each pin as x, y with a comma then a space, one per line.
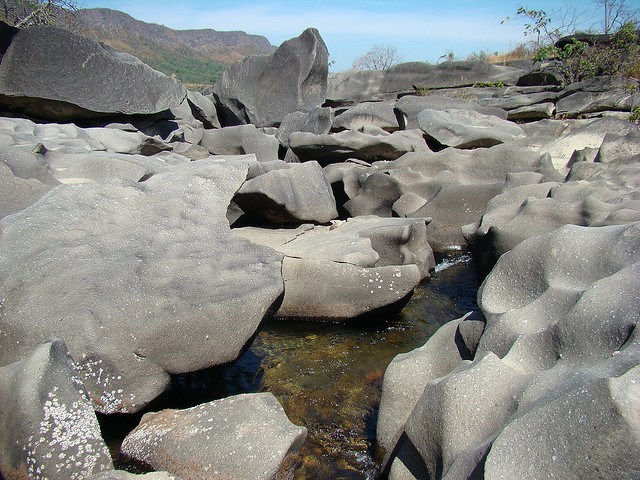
328, 377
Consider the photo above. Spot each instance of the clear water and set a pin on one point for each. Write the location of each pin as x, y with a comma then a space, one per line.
328, 377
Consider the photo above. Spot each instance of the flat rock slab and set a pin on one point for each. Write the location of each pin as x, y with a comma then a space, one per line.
467, 128
404, 76
48, 427
349, 269
241, 140
139, 279
378, 114
52, 73
241, 437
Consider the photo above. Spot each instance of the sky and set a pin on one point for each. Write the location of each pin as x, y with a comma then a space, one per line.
420, 30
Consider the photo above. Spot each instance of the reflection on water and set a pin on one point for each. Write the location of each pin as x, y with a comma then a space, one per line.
328, 377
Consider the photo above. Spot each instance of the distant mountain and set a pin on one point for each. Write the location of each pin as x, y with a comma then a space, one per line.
197, 57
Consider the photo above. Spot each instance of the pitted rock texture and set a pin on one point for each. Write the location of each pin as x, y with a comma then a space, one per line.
139, 279
241, 437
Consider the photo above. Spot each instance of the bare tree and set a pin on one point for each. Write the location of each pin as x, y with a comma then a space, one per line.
25, 13
616, 14
379, 57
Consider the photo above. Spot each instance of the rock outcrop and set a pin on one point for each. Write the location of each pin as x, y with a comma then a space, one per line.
53, 74
350, 269
263, 89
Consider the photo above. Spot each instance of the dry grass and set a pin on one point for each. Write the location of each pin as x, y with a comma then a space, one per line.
521, 52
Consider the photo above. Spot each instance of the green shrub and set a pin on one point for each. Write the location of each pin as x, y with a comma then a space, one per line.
580, 61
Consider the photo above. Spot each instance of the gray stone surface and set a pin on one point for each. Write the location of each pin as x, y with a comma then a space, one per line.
354, 86
409, 373
241, 437
532, 112
300, 193
529, 210
24, 178
203, 108
262, 90
552, 386
139, 279
332, 291
466, 128
48, 428
581, 134
54, 74
241, 140
123, 475
454, 185
581, 102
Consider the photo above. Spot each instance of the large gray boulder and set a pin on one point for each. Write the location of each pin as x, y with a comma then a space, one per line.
140, 279
51, 73
318, 121
299, 193
354, 86
466, 128
378, 114
48, 428
263, 89
241, 437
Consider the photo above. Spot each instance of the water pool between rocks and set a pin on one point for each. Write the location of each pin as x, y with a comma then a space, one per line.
328, 376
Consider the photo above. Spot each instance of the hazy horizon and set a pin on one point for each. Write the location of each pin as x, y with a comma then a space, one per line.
420, 31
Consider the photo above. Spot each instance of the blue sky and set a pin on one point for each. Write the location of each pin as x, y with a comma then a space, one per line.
420, 30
